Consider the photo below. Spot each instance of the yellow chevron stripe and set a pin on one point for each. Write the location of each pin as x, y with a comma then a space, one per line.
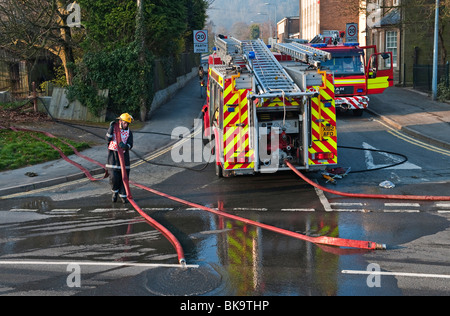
322, 147
230, 116
330, 85
227, 90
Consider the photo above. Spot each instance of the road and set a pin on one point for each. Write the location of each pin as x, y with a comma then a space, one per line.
71, 240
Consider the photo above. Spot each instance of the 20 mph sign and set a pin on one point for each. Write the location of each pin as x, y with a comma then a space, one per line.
351, 32
201, 41
201, 37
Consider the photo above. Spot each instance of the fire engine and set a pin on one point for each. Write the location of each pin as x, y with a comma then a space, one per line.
354, 78
264, 108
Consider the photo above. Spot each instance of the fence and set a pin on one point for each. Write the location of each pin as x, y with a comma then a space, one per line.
423, 76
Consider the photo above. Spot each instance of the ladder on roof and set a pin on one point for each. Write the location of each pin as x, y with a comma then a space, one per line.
229, 50
304, 53
270, 75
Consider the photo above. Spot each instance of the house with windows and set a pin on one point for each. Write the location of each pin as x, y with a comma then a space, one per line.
383, 30
406, 28
403, 27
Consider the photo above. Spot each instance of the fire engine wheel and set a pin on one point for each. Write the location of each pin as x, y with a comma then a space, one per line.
205, 139
219, 172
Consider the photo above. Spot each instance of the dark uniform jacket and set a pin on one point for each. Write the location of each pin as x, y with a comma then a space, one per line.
113, 157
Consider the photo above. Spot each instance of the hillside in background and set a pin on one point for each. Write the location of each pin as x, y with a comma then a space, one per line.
225, 13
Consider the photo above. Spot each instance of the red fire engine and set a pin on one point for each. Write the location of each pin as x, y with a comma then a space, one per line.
260, 113
354, 77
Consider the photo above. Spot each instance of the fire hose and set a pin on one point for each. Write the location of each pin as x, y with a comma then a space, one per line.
368, 196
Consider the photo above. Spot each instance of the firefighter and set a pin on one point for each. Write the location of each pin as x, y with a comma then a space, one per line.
201, 78
113, 165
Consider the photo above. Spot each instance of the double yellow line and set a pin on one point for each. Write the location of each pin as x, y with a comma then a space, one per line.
414, 141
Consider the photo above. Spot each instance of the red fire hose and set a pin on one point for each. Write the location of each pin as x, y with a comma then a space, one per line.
331, 241
369, 196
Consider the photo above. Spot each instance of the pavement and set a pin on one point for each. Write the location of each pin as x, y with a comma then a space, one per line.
404, 109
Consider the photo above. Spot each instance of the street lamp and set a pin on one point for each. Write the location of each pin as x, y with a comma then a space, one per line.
275, 5
435, 52
270, 25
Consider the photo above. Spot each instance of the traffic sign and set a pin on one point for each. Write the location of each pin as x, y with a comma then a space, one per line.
201, 48
351, 33
201, 37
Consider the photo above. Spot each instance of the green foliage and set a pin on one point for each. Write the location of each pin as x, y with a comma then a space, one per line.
112, 49
59, 80
255, 31
109, 24
18, 149
119, 72
443, 89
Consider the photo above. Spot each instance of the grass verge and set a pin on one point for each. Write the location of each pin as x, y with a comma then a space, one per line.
18, 149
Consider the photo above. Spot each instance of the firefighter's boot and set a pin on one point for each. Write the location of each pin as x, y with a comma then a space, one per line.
114, 197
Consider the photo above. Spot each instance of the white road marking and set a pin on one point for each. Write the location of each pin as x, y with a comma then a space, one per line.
323, 199
91, 263
405, 274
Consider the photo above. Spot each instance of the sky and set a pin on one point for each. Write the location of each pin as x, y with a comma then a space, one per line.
227, 12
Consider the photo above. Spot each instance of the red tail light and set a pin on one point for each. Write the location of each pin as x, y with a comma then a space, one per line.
322, 156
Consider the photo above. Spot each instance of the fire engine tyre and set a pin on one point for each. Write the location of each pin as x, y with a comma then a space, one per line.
205, 139
219, 172
358, 112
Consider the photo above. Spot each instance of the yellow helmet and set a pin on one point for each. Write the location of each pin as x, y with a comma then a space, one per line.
126, 118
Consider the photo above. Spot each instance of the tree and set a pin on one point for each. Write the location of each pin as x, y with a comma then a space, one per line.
30, 27
121, 44
254, 31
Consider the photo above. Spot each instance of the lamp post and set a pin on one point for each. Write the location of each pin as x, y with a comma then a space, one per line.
435, 52
273, 4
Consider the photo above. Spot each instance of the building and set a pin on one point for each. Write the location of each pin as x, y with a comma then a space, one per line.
288, 28
403, 27
317, 16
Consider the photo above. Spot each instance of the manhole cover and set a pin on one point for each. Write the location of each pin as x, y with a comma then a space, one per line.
182, 282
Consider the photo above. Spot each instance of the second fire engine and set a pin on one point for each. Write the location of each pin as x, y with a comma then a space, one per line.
355, 77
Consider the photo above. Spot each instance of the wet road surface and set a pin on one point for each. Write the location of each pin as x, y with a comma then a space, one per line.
71, 240
225, 257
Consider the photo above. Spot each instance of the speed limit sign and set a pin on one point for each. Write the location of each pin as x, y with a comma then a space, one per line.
201, 37
351, 32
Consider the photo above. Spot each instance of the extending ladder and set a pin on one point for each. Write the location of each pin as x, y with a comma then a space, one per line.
229, 50
304, 53
270, 75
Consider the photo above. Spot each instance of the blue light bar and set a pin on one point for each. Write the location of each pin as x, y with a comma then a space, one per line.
320, 45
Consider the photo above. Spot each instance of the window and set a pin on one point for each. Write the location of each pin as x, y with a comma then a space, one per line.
391, 46
346, 63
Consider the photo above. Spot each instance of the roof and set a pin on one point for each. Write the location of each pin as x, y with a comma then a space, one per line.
391, 18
